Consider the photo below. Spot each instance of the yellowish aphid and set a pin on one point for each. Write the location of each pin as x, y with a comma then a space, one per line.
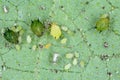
47, 45
67, 66
75, 61
63, 41
69, 55
82, 63
17, 47
55, 31
76, 54
103, 23
29, 39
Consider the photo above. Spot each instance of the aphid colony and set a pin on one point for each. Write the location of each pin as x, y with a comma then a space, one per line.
38, 28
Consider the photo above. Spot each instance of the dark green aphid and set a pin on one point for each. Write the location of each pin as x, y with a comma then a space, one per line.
37, 28
103, 23
11, 36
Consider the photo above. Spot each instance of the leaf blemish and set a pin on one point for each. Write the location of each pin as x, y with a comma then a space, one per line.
106, 45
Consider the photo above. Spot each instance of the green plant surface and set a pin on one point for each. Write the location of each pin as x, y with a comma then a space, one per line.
99, 52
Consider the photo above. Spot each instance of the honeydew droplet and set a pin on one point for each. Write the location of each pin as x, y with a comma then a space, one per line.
75, 61
67, 66
69, 55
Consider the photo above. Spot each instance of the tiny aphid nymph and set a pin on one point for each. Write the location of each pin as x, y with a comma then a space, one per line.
103, 23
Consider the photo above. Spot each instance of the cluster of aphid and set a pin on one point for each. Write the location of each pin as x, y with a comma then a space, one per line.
12, 36
38, 29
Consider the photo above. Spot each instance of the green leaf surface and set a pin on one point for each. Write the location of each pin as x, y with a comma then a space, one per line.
99, 52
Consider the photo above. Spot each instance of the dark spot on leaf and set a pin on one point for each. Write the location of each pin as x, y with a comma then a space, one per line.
3, 66
104, 57
109, 73
61, 6
89, 45
40, 45
87, 2
103, 7
74, 31
55, 70
42, 8
78, 29
105, 44
96, 67
19, 64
